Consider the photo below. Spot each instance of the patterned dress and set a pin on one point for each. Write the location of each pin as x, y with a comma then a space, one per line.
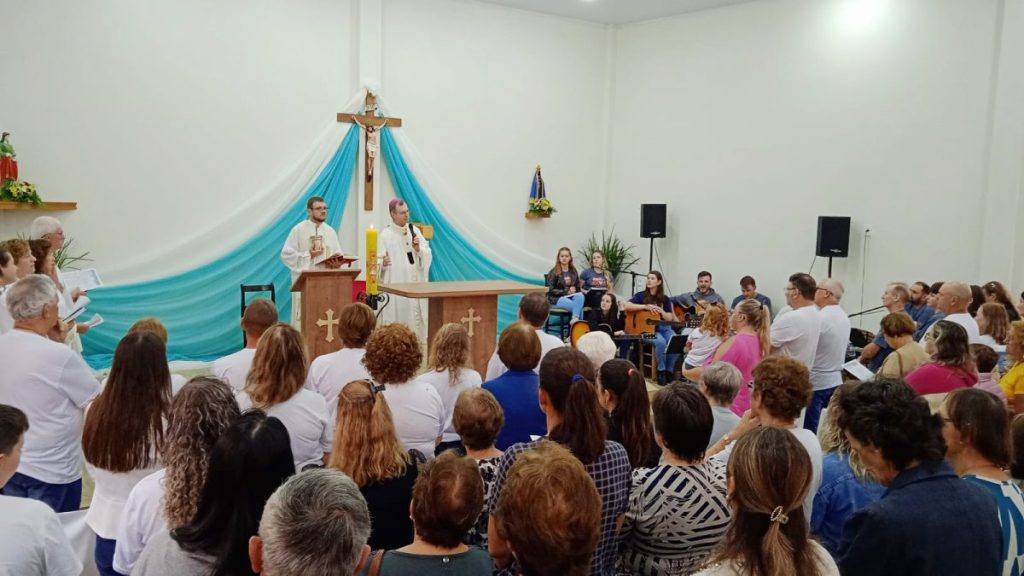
676, 516
477, 535
1010, 502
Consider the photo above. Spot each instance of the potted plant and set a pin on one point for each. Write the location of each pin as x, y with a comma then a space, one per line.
617, 254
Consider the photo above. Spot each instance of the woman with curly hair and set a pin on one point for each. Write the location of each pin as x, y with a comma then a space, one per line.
392, 358
120, 451
275, 385
368, 451
928, 521
846, 486
199, 414
782, 388
976, 429
449, 374
770, 476
951, 366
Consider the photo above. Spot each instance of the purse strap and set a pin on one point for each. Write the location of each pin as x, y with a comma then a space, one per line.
378, 557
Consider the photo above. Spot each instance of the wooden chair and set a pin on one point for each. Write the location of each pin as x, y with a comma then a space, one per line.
255, 288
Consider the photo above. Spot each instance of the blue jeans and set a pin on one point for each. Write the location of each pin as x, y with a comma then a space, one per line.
661, 337
104, 557
60, 497
573, 303
819, 400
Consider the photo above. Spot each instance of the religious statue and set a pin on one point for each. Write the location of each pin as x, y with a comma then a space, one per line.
8, 160
372, 143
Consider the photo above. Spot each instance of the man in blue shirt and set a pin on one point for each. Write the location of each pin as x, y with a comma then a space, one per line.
918, 307
748, 291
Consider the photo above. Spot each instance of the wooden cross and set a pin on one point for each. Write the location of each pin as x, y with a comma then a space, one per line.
471, 320
330, 322
371, 124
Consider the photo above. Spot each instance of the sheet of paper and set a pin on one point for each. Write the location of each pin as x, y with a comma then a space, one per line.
85, 279
79, 307
859, 370
93, 322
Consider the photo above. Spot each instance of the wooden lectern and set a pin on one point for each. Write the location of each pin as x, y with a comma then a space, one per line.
324, 294
473, 303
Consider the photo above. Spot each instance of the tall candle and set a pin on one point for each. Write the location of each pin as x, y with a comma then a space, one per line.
371, 261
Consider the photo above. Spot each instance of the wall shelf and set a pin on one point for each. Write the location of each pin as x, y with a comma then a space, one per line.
52, 206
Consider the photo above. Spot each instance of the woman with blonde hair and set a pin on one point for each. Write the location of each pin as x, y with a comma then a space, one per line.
392, 358
993, 325
449, 374
846, 486
563, 284
1012, 382
120, 451
169, 498
702, 343
275, 385
769, 478
368, 451
596, 280
751, 342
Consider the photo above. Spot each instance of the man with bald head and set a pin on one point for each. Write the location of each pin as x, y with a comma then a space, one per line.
953, 300
830, 354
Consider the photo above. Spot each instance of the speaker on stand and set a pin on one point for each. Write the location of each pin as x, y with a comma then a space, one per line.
652, 225
833, 238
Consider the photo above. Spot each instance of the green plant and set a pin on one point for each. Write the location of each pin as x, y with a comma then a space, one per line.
617, 254
65, 260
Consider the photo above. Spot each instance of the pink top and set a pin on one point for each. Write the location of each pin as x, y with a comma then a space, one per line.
934, 378
989, 384
744, 354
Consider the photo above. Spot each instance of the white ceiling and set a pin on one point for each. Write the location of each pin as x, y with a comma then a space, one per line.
615, 11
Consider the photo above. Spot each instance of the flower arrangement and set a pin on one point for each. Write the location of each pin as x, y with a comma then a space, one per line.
20, 191
540, 206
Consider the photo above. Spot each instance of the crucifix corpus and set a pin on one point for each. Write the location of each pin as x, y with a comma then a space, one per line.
371, 124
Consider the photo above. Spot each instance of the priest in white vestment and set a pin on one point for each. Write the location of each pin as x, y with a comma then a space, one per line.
309, 240
407, 258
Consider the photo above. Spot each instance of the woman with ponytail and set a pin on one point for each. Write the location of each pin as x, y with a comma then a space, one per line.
751, 321
769, 478
367, 449
570, 403
623, 394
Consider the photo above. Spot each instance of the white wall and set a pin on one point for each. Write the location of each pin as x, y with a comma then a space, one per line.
751, 120
162, 119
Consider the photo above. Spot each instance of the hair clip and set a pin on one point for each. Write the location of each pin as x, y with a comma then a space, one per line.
631, 372
779, 516
375, 388
577, 376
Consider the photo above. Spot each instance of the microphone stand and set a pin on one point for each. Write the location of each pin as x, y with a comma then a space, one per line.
868, 311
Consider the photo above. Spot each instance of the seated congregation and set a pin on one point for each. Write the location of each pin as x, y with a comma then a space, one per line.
757, 459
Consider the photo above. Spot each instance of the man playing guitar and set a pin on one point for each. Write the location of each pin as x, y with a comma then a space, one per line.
697, 302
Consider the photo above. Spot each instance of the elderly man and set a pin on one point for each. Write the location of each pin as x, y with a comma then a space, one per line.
895, 298
50, 229
51, 384
833, 339
795, 333
316, 524
952, 300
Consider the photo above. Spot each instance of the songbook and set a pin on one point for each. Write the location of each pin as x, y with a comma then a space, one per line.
84, 279
334, 259
859, 371
80, 305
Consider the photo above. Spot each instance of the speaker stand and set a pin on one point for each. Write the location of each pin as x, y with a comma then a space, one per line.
829, 266
650, 258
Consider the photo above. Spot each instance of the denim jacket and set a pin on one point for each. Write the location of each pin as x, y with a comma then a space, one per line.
929, 522
841, 494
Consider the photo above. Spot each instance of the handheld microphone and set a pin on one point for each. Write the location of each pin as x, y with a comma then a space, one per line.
412, 231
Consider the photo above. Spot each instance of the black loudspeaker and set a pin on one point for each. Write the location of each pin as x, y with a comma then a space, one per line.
652, 220
833, 236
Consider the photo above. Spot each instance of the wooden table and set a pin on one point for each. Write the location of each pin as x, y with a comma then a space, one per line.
473, 303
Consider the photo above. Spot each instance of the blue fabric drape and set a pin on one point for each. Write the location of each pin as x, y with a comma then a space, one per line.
200, 306
454, 257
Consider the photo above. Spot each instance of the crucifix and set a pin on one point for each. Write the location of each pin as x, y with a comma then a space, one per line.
371, 124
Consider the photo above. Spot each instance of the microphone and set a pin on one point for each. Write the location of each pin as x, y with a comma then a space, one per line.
412, 230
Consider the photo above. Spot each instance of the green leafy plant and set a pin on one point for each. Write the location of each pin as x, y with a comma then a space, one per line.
66, 260
20, 191
617, 254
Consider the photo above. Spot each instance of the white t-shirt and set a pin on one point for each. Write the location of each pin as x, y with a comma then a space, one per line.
6, 320
32, 540
795, 334
809, 440
52, 385
702, 347
329, 373
305, 416
142, 518
418, 413
988, 340
111, 494
969, 324
830, 355
449, 392
234, 368
827, 566
496, 368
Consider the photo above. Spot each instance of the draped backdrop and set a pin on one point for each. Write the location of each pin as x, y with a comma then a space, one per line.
200, 307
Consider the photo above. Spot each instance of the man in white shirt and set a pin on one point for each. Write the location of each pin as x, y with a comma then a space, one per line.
309, 240
32, 540
406, 258
329, 373
953, 300
533, 308
52, 385
830, 355
795, 334
259, 315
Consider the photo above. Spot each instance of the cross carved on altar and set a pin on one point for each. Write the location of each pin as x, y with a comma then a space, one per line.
471, 320
330, 322
371, 124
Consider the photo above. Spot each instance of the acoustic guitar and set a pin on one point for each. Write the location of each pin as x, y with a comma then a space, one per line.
645, 321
